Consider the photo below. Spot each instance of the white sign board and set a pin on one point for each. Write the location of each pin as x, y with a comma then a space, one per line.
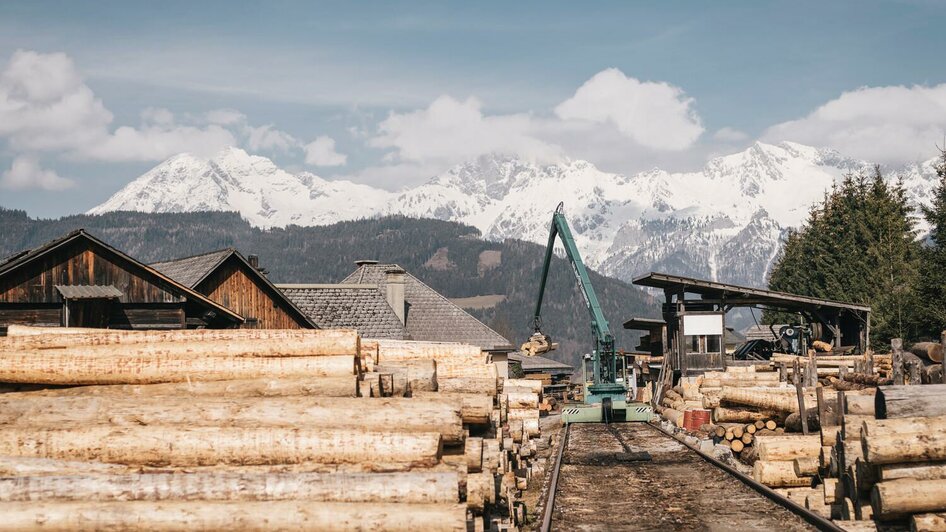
702, 324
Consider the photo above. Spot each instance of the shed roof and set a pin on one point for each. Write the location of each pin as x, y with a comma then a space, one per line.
27, 256
191, 272
736, 294
357, 306
431, 316
645, 324
88, 291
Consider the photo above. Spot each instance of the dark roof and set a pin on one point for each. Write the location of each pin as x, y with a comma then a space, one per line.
345, 306
27, 256
540, 364
88, 291
430, 316
191, 271
735, 294
645, 324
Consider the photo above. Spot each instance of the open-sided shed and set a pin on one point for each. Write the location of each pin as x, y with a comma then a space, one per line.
695, 313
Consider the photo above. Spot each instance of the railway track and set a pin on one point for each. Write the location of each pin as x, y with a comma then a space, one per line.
603, 480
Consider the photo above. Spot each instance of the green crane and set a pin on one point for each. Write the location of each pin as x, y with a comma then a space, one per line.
605, 387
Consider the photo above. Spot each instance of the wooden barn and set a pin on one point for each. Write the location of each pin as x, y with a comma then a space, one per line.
238, 283
79, 281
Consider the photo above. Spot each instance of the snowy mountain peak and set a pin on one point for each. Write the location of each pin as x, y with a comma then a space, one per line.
724, 221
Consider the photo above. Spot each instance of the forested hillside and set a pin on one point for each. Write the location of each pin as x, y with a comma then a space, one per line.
448, 256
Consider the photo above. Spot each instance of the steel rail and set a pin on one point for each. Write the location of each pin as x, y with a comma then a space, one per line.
553, 483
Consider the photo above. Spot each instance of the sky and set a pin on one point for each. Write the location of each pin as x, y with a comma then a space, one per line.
392, 93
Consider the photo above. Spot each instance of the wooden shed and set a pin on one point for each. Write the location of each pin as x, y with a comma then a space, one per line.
79, 281
238, 283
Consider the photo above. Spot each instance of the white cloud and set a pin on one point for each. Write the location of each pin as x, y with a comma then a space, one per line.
453, 130
25, 172
728, 134
655, 115
156, 143
890, 125
321, 152
225, 117
268, 138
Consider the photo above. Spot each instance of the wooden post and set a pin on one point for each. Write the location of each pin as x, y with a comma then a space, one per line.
839, 413
822, 407
942, 341
782, 372
812, 369
796, 377
896, 345
870, 362
842, 372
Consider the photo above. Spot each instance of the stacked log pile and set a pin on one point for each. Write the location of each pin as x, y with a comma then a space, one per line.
256, 428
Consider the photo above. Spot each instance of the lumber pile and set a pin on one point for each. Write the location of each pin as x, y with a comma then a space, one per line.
228, 428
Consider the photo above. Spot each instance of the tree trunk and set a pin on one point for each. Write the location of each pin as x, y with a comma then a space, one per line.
893, 499
674, 416
49, 367
905, 447
475, 408
933, 471
189, 446
881, 427
396, 350
928, 350
768, 401
282, 387
422, 487
772, 448
198, 516
905, 401
778, 474
421, 374
387, 414
732, 415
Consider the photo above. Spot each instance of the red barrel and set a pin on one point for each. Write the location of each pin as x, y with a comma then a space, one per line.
694, 419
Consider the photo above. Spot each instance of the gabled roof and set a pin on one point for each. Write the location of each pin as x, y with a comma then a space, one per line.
191, 271
431, 317
342, 306
25, 257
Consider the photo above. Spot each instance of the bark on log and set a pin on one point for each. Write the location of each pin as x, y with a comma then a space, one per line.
47, 367
422, 487
905, 401
772, 448
482, 385
244, 515
893, 499
928, 350
906, 447
793, 422
934, 522
674, 416
185, 446
379, 414
778, 474
475, 408
767, 401
723, 415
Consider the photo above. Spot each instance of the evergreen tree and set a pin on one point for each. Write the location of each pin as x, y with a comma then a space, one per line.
859, 246
932, 278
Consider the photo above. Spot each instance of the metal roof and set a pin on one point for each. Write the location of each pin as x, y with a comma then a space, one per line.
736, 294
88, 291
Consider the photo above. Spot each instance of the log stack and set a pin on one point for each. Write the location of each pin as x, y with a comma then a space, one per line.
320, 427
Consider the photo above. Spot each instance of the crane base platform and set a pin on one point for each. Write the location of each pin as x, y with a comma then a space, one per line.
622, 411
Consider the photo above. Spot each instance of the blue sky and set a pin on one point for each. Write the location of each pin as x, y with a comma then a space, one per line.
390, 93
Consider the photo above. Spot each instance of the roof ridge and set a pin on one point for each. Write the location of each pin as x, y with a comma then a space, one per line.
229, 249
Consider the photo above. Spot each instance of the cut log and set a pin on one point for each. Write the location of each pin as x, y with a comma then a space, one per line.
534, 385
882, 449
829, 435
398, 350
483, 385
881, 427
773, 448
778, 474
243, 515
772, 402
420, 487
475, 408
933, 471
674, 416
862, 405
793, 422
853, 424
282, 387
928, 522
830, 489
421, 374
522, 400
928, 350
897, 498
732, 415
49, 367
396, 414
737, 446
907, 401
17, 466
188, 446
805, 467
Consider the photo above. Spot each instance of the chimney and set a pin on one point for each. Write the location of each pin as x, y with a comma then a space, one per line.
253, 260
394, 280
365, 262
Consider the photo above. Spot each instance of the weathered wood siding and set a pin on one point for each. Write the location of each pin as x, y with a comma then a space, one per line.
234, 287
28, 294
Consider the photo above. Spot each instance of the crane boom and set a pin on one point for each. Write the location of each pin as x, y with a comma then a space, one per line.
603, 356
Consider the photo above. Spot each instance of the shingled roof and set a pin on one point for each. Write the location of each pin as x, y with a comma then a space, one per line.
190, 271
342, 306
431, 316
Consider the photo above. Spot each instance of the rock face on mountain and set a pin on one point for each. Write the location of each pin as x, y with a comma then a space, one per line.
724, 221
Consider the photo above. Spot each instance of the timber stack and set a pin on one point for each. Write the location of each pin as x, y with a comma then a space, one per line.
257, 428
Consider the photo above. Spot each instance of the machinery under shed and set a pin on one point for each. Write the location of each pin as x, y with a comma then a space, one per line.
694, 312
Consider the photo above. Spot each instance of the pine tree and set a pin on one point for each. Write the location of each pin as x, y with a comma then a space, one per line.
932, 281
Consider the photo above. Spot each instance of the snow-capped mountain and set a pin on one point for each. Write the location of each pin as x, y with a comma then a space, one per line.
724, 221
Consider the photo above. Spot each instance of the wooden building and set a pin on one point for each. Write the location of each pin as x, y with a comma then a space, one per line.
237, 282
79, 281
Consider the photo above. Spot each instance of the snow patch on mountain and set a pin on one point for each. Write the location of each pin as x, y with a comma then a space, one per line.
725, 221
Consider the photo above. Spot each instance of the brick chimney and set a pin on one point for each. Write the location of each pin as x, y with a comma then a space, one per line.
394, 282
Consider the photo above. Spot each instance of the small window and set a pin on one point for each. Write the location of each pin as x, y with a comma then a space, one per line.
703, 343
